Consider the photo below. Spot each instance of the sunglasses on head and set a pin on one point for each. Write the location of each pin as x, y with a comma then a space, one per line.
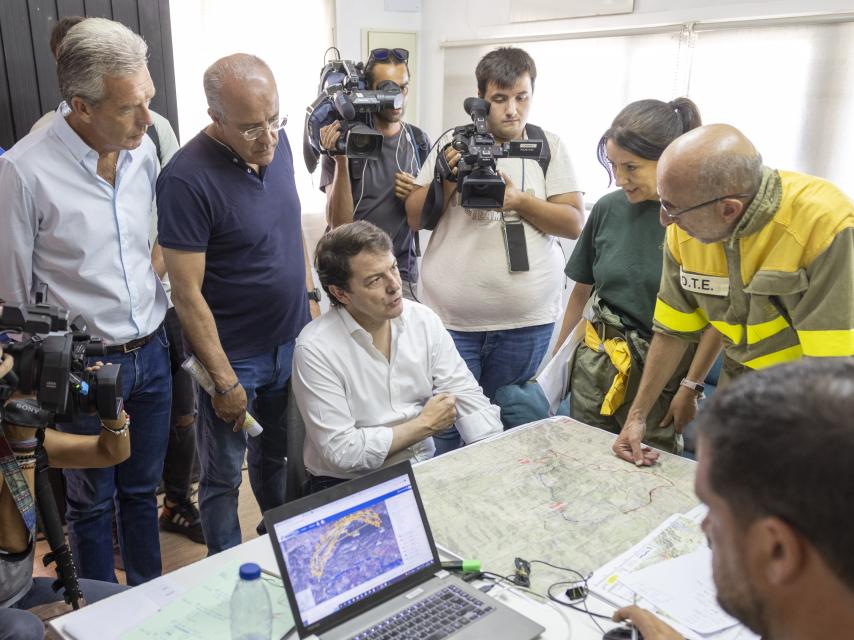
384, 54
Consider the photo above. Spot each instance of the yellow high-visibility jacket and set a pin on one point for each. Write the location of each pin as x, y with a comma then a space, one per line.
780, 288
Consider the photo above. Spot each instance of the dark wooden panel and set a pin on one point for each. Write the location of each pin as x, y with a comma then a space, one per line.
7, 130
20, 65
99, 9
70, 8
149, 28
28, 85
169, 66
125, 11
42, 21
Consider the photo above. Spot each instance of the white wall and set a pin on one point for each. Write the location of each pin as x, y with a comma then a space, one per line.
206, 30
352, 16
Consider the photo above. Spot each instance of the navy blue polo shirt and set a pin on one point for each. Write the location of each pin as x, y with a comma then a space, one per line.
249, 227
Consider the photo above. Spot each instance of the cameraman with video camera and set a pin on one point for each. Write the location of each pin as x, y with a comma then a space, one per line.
21, 431
493, 273
375, 189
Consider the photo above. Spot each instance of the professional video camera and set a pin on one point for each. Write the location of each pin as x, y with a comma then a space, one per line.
53, 366
343, 96
479, 183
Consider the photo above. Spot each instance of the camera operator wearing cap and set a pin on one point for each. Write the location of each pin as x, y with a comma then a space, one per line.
22, 424
375, 190
501, 313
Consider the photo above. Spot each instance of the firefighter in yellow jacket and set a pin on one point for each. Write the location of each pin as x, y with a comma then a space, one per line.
766, 257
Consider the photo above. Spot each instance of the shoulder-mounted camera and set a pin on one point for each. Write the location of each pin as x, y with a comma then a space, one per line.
343, 95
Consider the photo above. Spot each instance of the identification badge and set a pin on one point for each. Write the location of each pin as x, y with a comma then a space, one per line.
708, 285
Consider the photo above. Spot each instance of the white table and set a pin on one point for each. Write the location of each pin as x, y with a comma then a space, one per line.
557, 620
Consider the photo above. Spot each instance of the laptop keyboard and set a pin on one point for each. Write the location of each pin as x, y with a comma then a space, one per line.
432, 618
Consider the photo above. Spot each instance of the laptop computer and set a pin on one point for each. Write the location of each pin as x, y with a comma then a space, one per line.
358, 562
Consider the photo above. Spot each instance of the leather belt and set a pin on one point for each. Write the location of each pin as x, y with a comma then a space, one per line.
133, 345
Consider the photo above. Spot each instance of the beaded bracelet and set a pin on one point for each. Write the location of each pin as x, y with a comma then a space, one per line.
119, 432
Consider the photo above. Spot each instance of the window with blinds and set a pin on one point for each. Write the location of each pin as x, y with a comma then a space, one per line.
789, 88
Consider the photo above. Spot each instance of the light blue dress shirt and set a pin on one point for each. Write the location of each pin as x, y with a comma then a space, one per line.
63, 225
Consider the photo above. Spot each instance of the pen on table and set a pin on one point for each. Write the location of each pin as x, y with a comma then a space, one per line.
634, 626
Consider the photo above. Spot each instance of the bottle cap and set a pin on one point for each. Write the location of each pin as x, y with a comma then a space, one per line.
250, 571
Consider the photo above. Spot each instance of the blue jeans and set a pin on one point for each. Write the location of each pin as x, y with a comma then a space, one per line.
131, 485
497, 358
221, 450
18, 624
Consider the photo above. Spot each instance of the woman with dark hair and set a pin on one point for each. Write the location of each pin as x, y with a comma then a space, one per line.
616, 266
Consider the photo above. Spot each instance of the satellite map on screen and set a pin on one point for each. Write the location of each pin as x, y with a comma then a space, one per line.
342, 553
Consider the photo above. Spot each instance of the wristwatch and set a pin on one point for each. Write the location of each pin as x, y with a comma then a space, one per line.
697, 387
314, 294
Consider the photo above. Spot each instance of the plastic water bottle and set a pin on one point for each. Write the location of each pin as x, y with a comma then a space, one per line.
251, 612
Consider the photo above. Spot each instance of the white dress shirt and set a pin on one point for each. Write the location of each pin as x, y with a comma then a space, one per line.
350, 396
63, 225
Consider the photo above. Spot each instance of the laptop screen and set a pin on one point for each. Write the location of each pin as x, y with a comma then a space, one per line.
346, 550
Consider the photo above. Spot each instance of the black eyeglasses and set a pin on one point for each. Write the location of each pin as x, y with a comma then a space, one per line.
383, 54
673, 213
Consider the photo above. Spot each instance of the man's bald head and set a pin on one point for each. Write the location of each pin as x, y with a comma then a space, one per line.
712, 161
235, 76
243, 101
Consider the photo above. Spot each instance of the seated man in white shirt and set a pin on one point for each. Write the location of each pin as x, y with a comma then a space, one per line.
376, 376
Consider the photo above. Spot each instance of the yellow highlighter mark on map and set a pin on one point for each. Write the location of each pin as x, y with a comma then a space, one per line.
338, 532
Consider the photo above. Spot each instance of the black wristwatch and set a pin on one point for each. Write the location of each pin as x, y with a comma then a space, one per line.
314, 294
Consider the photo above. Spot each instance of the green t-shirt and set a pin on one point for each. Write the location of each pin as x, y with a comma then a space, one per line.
619, 253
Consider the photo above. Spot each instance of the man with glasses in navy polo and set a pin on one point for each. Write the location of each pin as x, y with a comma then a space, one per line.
231, 231
374, 190
766, 257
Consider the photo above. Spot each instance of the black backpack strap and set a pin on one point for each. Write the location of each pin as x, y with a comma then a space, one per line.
536, 133
434, 203
422, 144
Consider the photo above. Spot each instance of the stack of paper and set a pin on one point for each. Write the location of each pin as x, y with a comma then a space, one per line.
670, 573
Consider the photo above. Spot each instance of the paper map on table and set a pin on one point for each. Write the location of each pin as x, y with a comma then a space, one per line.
678, 535
558, 478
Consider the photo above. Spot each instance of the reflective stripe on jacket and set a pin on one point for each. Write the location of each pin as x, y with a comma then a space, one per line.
780, 288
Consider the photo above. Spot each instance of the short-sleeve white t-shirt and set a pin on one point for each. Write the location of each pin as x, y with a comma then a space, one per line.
466, 277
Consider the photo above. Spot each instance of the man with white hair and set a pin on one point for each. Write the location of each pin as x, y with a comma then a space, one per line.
231, 232
76, 216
